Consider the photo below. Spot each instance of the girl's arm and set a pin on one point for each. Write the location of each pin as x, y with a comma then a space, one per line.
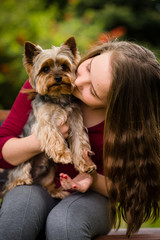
18, 150
98, 184
15, 150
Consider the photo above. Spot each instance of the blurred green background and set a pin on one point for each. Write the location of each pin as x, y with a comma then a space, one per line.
51, 22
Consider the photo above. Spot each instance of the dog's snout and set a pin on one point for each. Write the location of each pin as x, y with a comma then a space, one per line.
58, 79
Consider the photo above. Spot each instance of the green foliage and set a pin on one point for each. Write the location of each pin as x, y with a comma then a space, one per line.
51, 22
148, 224
20, 21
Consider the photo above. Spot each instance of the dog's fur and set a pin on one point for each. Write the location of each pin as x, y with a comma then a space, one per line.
52, 75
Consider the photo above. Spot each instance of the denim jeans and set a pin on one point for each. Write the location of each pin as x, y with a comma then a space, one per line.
29, 211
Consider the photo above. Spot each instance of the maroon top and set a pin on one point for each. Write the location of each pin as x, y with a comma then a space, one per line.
13, 125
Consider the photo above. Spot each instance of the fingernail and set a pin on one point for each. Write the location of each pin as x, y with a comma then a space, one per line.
74, 186
65, 177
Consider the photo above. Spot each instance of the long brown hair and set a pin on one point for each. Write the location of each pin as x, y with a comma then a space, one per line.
132, 134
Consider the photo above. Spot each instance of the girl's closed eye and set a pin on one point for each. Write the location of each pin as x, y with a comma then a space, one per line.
92, 92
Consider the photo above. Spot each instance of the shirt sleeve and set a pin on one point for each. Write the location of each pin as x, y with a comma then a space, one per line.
13, 125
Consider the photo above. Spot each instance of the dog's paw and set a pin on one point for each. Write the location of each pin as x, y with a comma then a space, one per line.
60, 194
27, 181
84, 168
91, 169
18, 182
9, 187
64, 158
84, 165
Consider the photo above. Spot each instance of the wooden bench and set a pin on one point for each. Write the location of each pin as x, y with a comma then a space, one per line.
3, 115
143, 233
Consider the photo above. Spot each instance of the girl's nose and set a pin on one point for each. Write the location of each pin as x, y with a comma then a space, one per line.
77, 81
81, 80
82, 76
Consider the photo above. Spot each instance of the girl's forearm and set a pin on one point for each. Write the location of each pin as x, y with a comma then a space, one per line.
19, 150
99, 184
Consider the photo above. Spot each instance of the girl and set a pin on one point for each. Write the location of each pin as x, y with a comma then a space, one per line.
118, 85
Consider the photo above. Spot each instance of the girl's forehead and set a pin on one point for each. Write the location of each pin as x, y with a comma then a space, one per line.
101, 74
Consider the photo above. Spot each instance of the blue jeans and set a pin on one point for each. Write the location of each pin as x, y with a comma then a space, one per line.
29, 211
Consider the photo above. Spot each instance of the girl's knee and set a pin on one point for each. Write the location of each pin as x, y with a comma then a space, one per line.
24, 210
27, 203
62, 226
76, 217
23, 197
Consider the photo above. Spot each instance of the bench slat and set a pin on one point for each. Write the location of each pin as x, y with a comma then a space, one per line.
3, 114
142, 234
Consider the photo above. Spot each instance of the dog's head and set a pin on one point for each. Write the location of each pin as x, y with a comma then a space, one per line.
52, 71
43, 169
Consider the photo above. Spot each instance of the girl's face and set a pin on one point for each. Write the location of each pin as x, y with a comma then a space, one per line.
93, 80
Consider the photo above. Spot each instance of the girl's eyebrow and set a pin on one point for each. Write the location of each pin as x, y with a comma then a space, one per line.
89, 65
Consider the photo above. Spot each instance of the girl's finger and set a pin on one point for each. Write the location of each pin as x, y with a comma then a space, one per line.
67, 182
65, 177
65, 185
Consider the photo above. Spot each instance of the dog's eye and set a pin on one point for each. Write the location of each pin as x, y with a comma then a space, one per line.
64, 67
45, 69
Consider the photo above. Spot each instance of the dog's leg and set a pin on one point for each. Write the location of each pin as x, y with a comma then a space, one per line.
79, 142
48, 118
47, 178
19, 176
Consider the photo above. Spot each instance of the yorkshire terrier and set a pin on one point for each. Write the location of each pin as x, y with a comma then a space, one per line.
52, 75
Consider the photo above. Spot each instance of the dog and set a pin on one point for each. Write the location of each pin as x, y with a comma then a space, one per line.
52, 75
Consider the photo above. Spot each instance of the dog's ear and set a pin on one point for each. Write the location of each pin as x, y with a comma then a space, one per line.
71, 43
30, 52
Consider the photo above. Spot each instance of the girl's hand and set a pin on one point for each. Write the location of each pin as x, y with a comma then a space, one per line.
81, 182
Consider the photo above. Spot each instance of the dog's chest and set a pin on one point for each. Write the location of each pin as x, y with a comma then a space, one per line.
53, 105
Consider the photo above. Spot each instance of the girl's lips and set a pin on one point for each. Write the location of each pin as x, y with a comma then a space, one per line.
76, 88
76, 91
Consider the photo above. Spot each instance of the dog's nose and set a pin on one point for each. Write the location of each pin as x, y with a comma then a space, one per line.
58, 79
